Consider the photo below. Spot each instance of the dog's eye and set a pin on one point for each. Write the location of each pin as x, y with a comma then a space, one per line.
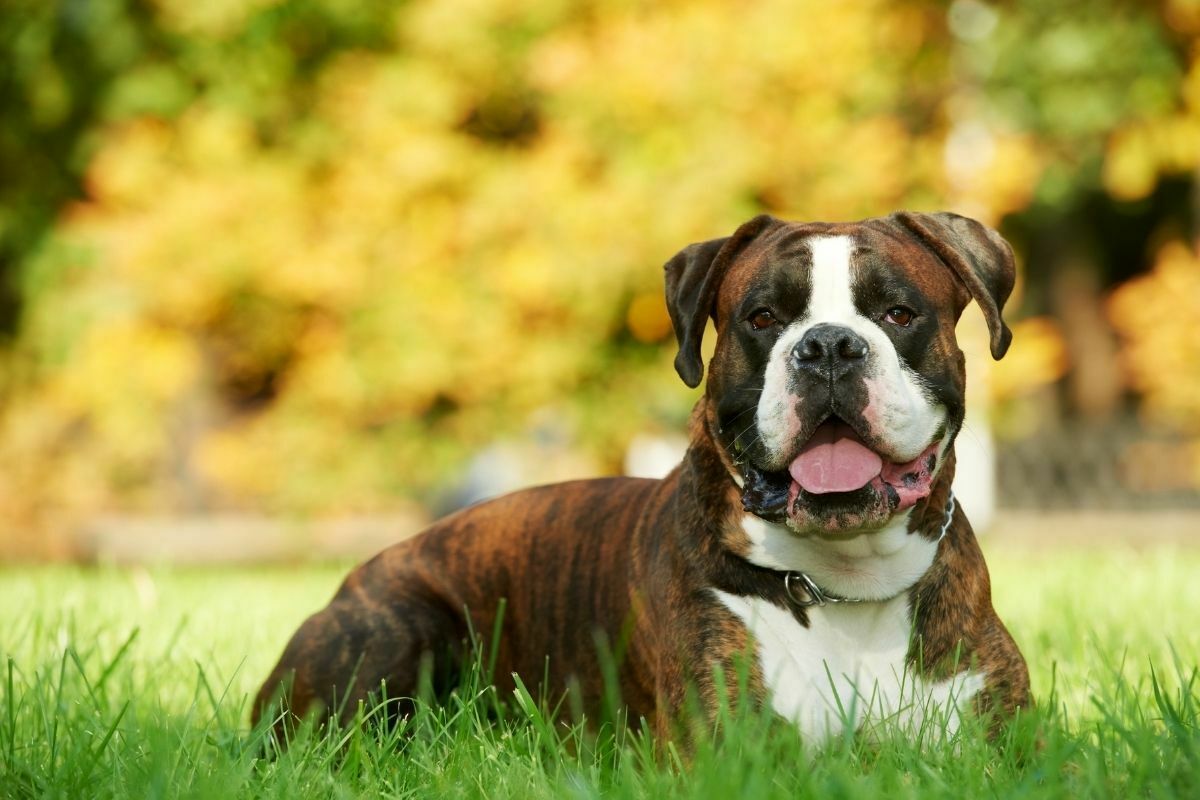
899, 315
762, 319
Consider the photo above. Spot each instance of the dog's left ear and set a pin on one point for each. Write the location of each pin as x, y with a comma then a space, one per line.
980, 258
693, 277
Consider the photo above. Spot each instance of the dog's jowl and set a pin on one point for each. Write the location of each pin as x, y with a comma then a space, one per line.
810, 531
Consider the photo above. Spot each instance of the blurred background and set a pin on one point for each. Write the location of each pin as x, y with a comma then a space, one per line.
291, 277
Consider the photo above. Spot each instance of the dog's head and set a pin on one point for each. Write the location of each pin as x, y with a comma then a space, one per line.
836, 386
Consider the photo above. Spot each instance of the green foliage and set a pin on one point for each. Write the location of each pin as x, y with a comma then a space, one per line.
58, 62
1071, 79
120, 684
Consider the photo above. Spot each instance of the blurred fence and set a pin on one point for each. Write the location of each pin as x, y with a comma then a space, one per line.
1079, 465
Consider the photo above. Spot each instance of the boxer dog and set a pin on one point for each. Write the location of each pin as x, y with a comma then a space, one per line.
810, 531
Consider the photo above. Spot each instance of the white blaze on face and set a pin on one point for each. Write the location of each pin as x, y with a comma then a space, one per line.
900, 410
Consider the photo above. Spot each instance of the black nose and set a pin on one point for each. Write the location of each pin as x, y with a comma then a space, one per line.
830, 349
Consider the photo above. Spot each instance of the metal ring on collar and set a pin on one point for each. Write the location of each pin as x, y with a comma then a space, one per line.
815, 596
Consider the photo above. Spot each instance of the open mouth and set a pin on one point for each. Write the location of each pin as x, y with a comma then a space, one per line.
835, 460
836, 479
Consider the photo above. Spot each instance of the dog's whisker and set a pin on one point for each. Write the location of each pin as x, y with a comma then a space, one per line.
745, 448
743, 413
747, 429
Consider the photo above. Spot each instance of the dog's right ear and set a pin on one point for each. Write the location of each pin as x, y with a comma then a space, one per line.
693, 277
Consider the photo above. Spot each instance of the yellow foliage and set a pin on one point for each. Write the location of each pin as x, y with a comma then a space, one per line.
224, 458
1131, 167
647, 317
1156, 315
104, 374
1038, 357
1183, 15
1007, 183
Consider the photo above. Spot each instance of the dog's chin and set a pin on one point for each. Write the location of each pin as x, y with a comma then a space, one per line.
859, 511
775, 497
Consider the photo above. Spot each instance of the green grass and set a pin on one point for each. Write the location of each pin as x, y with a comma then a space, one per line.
136, 684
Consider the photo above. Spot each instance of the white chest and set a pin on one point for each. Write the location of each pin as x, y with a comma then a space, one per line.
847, 670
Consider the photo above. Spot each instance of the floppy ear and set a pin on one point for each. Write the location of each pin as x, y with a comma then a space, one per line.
980, 258
693, 276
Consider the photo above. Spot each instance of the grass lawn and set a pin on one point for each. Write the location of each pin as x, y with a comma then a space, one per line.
136, 684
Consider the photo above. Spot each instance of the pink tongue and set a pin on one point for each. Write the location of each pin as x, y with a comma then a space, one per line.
835, 460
